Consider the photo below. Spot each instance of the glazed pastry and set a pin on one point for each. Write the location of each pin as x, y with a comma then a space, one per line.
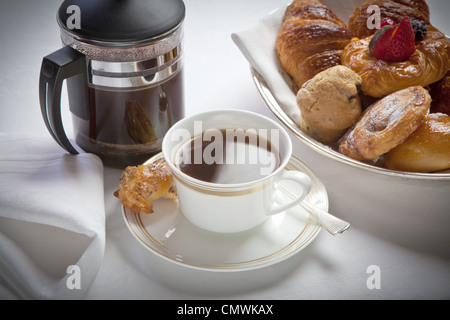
426, 65
440, 93
140, 185
310, 40
394, 10
426, 150
329, 103
386, 124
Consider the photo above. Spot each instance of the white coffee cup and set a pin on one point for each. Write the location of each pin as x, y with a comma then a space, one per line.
236, 207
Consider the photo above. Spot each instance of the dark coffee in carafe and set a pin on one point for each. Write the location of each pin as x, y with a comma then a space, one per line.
126, 126
123, 73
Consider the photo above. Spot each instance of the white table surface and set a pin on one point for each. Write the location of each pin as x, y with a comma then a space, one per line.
404, 237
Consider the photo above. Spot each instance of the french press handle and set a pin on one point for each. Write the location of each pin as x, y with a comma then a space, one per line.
64, 64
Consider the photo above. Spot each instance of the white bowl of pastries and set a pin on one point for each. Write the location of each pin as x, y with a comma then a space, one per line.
385, 123
386, 117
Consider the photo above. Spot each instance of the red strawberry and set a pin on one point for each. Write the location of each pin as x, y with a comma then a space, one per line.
402, 44
396, 44
379, 49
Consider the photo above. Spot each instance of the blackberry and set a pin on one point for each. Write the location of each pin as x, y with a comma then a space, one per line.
420, 29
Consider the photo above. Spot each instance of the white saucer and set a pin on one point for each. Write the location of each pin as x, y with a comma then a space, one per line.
168, 234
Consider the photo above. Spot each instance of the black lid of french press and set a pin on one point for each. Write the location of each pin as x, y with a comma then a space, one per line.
120, 21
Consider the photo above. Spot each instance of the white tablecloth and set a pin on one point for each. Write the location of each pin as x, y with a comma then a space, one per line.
402, 239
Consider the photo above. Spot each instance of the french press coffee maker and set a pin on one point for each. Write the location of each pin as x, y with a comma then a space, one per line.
122, 63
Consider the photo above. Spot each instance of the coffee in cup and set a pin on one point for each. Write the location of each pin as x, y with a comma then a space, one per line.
222, 196
228, 156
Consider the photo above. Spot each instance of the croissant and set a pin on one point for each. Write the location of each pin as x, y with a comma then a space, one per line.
428, 64
395, 10
310, 40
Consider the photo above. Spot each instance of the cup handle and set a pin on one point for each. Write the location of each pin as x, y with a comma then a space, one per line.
301, 179
58, 66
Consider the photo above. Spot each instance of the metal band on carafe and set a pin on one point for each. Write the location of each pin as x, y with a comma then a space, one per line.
128, 65
136, 74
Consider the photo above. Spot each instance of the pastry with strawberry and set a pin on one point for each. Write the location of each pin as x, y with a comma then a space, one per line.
398, 56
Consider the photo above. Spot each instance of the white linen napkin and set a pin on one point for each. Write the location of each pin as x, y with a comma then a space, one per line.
257, 44
52, 219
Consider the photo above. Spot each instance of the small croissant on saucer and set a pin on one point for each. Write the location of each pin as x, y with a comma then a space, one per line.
140, 185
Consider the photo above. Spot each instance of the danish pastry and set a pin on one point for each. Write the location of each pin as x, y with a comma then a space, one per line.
426, 65
386, 124
310, 40
426, 150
